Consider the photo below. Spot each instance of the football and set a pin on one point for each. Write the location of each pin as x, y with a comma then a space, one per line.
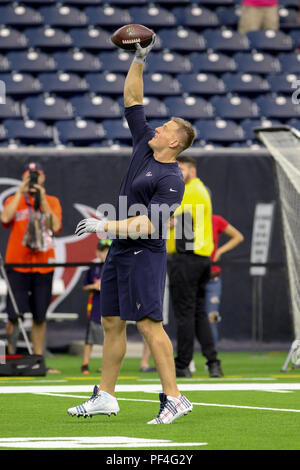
131, 34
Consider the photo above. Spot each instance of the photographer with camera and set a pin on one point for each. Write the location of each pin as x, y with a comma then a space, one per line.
33, 217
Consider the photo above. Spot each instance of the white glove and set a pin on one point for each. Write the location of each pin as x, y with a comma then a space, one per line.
89, 226
142, 52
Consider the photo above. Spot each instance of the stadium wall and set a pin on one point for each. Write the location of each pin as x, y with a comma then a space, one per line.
237, 178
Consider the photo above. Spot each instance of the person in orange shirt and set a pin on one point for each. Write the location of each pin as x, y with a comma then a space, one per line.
33, 217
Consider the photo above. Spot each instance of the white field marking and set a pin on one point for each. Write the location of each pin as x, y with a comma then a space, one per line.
198, 379
193, 403
91, 442
152, 388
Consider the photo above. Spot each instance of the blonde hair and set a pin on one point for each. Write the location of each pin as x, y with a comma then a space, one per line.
187, 132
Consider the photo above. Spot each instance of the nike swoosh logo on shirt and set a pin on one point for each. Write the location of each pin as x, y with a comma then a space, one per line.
173, 190
137, 252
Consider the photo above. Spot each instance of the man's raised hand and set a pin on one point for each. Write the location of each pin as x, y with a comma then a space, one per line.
90, 225
142, 52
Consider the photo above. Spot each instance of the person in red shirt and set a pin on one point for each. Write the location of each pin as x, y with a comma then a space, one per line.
33, 217
214, 286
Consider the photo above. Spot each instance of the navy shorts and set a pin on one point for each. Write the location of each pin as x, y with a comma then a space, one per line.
133, 284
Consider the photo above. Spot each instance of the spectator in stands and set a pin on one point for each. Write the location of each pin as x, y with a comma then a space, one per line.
189, 271
258, 14
214, 286
33, 217
93, 286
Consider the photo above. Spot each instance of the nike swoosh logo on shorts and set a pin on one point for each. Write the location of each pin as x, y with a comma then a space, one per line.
137, 252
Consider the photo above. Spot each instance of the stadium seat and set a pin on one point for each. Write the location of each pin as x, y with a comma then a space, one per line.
152, 16
289, 3
225, 40
201, 83
27, 131
129, 2
245, 83
288, 18
282, 83
154, 123
249, 124
91, 38
20, 83
95, 107
10, 109
48, 108
31, 61
5, 65
160, 84
269, 40
195, 16
38, 2
11, 39
290, 61
257, 62
294, 123
107, 15
62, 82
181, 39
63, 16
155, 108
77, 61
116, 129
295, 37
82, 3
212, 62
168, 62
229, 16
116, 61
190, 107
277, 107
106, 82
79, 131
48, 37
219, 130
234, 107
214, 3
19, 15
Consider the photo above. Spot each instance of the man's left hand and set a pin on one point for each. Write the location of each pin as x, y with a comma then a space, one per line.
90, 225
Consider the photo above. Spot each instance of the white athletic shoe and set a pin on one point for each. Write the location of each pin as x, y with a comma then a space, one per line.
171, 408
101, 403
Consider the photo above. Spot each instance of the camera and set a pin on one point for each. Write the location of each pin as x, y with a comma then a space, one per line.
33, 178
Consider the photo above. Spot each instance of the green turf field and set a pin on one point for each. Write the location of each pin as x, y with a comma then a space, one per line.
255, 406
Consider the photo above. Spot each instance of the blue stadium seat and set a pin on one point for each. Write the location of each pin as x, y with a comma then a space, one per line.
295, 38
269, 40
106, 83
293, 123
155, 108
116, 129
19, 15
257, 62
116, 61
190, 107
169, 62
158, 84
5, 65
196, 16
219, 130
282, 83
63, 16
82, 3
290, 61
277, 107
289, 3
234, 107
79, 131
245, 83
225, 40
10, 109
77, 61
38, 2
229, 16
11, 39
153, 16
48, 37
96, 107
288, 18
31, 61
214, 3
249, 124
20, 83
129, 2
48, 108
91, 38
154, 123
181, 39
62, 82
212, 62
108, 15
201, 83
27, 131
